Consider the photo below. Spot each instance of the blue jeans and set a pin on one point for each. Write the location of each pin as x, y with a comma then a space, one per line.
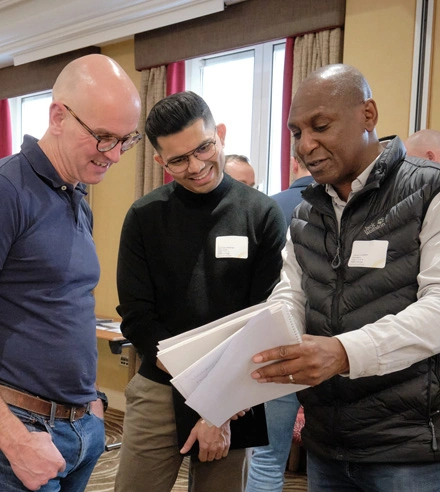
81, 443
268, 463
344, 476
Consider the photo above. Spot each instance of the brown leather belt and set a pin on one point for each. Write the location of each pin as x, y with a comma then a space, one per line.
42, 407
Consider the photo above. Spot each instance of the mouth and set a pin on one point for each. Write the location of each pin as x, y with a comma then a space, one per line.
104, 165
316, 164
206, 170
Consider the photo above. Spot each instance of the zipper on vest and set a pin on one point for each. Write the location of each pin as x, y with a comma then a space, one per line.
336, 262
434, 439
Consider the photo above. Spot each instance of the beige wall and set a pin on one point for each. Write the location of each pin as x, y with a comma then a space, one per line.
434, 104
110, 202
112, 198
379, 39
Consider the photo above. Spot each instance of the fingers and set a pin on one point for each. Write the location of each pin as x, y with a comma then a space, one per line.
276, 373
277, 353
189, 442
242, 413
315, 360
213, 451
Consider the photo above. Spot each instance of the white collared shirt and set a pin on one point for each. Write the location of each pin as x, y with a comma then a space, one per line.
394, 342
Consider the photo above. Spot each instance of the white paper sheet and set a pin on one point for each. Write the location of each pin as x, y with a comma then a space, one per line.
179, 352
219, 385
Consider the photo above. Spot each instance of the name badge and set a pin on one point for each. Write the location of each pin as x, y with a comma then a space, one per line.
231, 247
368, 254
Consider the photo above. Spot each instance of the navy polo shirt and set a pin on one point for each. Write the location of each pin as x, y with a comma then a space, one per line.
48, 270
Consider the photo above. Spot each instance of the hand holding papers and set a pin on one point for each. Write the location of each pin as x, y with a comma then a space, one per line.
215, 363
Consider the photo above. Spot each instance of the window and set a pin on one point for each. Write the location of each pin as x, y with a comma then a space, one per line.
29, 115
244, 90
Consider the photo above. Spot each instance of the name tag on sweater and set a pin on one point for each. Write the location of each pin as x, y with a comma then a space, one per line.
368, 254
231, 247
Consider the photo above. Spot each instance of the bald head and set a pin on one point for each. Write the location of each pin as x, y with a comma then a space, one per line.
342, 81
239, 167
94, 80
425, 144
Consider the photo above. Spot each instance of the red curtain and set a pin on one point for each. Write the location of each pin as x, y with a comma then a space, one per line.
175, 83
287, 99
5, 129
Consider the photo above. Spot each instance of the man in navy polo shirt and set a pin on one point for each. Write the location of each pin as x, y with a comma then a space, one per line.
51, 426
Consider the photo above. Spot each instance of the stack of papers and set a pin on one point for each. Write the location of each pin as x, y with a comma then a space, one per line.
212, 365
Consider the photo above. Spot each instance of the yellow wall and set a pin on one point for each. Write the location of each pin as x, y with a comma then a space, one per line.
434, 105
112, 198
379, 38
110, 202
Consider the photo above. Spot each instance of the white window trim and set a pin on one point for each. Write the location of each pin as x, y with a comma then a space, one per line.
259, 154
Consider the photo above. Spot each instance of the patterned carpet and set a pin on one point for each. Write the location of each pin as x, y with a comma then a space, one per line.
102, 479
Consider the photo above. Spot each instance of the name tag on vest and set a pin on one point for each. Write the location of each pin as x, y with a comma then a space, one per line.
368, 254
231, 247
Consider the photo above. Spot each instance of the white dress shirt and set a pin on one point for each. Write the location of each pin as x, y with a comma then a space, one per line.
394, 342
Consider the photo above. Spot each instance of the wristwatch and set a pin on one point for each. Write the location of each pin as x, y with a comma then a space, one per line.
103, 397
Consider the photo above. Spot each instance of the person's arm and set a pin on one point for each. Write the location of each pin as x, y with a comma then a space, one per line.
33, 456
136, 291
392, 343
397, 341
268, 261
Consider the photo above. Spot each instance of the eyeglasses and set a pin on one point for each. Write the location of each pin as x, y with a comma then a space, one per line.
203, 153
109, 142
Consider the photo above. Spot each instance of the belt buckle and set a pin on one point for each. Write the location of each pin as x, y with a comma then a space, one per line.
72, 414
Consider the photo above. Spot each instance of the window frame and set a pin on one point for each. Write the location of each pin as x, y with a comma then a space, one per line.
16, 111
261, 131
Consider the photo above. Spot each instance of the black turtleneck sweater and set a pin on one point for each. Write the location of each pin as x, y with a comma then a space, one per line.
169, 279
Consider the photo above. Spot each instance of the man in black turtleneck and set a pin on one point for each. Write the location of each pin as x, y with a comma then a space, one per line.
191, 251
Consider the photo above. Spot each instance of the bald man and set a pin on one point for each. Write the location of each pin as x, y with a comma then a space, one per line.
51, 426
425, 144
239, 167
361, 276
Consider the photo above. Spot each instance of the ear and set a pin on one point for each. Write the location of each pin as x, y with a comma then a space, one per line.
221, 132
295, 165
159, 160
430, 155
57, 114
371, 114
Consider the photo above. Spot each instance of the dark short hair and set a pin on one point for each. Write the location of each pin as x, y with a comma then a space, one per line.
174, 113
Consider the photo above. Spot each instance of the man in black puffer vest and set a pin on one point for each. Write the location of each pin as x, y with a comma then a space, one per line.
361, 274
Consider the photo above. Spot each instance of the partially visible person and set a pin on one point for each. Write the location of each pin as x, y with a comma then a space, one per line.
361, 275
425, 144
51, 415
191, 251
268, 463
239, 167
290, 198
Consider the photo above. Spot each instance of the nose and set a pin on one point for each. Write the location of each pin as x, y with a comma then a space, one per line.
194, 165
306, 143
115, 153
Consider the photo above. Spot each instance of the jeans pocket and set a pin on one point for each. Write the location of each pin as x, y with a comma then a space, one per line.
32, 421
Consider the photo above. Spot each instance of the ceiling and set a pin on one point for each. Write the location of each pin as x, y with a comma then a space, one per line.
34, 29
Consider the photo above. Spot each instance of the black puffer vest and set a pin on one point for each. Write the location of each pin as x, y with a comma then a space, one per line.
394, 417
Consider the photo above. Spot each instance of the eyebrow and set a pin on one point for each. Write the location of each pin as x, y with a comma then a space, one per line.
105, 133
312, 120
189, 151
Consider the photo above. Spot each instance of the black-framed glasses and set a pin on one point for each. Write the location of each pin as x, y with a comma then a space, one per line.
108, 142
203, 153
